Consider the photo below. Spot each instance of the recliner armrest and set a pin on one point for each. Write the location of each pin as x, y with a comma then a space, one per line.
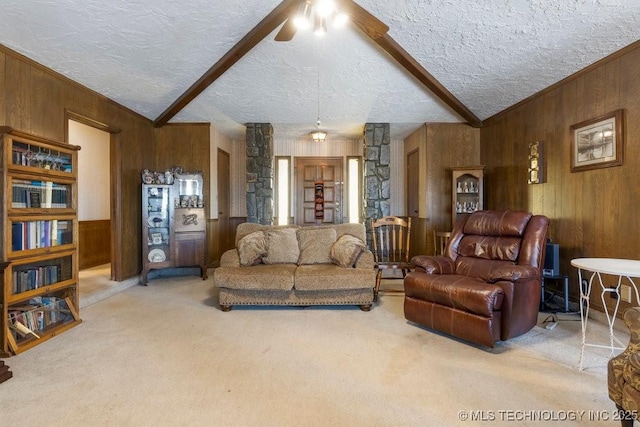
513, 273
434, 264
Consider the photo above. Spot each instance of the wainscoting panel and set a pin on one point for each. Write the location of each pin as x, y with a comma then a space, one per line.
94, 243
215, 245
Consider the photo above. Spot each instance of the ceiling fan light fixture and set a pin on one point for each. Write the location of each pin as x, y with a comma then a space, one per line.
325, 8
339, 19
318, 136
302, 19
320, 26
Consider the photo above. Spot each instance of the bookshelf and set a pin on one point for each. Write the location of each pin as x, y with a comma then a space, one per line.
39, 297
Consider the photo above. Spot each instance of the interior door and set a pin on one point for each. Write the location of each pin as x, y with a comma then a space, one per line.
310, 172
413, 202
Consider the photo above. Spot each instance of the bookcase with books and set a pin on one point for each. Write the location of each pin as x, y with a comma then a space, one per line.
39, 244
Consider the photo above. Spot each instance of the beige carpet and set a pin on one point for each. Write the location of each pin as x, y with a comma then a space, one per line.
166, 355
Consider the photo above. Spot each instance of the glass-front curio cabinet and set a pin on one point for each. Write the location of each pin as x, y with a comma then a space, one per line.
467, 191
173, 221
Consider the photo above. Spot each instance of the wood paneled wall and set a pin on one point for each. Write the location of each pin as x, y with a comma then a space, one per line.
593, 213
214, 247
94, 243
36, 99
441, 146
185, 145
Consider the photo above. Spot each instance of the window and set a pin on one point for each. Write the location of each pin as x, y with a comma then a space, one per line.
354, 184
283, 190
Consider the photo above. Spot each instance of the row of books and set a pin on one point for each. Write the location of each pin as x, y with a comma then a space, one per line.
35, 316
34, 278
39, 194
40, 234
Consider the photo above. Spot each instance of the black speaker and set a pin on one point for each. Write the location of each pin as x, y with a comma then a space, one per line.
551, 260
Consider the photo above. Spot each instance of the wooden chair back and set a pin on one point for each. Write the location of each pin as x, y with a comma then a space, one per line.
390, 238
440, 240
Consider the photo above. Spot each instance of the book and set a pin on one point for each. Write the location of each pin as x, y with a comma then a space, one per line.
17, 237
33, 199
26, 331
48, 191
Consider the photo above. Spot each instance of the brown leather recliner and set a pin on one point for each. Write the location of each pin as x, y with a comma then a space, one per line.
486, 288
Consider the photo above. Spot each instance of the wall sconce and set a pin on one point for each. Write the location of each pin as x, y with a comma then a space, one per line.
536, 173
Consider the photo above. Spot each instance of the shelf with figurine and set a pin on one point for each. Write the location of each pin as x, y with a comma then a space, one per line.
174, 221
467, 191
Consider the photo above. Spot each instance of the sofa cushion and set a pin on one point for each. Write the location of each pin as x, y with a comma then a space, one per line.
330, 276
282, 246
259, 277
355, 229
251, 248
346, 250
315, 245
249, 227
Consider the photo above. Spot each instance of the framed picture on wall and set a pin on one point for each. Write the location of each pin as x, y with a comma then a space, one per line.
598, 143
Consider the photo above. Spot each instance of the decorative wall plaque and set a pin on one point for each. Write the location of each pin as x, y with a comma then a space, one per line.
536, 173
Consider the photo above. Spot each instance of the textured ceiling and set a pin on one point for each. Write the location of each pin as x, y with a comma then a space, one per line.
489, 54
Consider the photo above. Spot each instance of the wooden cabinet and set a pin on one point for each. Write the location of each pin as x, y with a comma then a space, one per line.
40, 283
467, 191
173, 222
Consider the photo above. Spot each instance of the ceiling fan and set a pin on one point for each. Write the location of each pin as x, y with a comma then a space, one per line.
364, 20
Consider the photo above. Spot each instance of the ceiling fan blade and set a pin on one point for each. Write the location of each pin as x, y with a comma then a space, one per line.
369, 24
287, 31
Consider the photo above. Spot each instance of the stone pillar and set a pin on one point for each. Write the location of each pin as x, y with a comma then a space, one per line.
377, 157
259, 140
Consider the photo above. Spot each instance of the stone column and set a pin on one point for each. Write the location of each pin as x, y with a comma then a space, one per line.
377, 157
259, 140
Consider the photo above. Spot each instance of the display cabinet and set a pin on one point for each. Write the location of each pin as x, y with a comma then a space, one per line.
174, 221
157, 219
39, 243
467, 191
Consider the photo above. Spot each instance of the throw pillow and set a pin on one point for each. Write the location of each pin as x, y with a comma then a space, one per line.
346, 250
282, 246
251, 248
315, 245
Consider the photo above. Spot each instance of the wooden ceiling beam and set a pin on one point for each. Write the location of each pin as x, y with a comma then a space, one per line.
409, 63
248, 42
369, 24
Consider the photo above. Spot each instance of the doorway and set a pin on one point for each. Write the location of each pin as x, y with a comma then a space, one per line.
99, 269
318, 176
